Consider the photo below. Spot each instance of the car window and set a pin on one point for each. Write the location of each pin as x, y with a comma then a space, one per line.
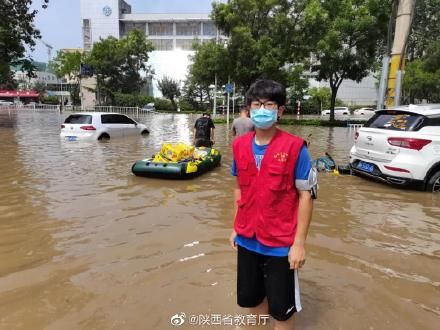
120, 119
396, 121
107, 119
434, 121
78, 119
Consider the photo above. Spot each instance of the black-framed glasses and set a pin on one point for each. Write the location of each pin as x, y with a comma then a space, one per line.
267, 105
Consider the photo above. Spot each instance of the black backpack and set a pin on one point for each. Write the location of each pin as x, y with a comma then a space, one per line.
202, 128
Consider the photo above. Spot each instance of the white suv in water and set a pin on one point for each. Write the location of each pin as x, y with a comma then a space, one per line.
401, 147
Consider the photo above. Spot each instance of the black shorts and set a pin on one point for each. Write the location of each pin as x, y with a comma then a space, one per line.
260, 276
200, 142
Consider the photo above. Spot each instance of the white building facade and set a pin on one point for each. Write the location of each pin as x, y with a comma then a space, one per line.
173, 36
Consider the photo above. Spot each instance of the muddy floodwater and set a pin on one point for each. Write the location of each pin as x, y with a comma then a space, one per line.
84, 244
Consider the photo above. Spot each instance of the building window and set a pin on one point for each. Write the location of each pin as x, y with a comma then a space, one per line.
209, 29
162, 44
186, 44
188, 29
87, 35
160, 29
129, 26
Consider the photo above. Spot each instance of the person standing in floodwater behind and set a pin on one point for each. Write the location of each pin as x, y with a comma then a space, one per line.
204, 131
242, 124
274, 203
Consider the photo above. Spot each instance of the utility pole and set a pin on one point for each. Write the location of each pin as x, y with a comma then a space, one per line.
405, 14
215, 81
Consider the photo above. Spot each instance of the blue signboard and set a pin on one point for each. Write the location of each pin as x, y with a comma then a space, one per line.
229, 88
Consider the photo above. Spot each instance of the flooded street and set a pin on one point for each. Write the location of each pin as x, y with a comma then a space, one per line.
84, 244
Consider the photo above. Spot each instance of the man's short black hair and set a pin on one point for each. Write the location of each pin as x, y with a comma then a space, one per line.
244, 107
206, 114
266, 89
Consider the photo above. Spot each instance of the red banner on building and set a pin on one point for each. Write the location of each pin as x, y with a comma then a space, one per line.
21, 94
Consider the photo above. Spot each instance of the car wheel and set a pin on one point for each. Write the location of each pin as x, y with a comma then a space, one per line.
145, 132
104, 136
434, 183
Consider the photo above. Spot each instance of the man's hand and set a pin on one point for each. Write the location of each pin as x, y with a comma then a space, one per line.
232, 240
297, 256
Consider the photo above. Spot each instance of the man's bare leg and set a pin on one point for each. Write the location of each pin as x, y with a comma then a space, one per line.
285, 325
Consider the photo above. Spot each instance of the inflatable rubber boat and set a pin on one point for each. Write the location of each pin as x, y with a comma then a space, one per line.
178, 165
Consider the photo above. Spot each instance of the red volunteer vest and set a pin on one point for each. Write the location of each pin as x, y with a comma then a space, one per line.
268, 207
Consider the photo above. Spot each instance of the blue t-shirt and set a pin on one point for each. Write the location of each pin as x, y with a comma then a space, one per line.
302, 171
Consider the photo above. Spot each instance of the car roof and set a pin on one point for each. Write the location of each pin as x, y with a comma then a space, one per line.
421, 109
96, 113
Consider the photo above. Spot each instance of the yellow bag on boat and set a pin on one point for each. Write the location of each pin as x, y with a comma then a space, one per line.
173, 152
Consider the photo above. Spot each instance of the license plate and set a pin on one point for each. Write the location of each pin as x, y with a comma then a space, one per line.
367, 167
71, 138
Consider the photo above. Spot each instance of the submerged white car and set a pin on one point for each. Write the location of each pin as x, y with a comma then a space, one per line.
339, 111
99, 126
367, 112
400, 147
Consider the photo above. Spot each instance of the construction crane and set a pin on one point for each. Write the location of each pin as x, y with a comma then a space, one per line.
49, 51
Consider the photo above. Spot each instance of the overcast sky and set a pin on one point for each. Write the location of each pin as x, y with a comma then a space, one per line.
60, 22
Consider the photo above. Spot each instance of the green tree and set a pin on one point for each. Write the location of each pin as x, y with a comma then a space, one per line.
264, 35
132, 100
320, 97
349, 35
209, 60
422, 77
120, 65
40, 87
298, 84
195, 94
16, 32
425, 28
169, 89
67, 65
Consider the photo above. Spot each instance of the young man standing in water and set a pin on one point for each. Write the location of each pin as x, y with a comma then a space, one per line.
242, 124
273, 197
204, 131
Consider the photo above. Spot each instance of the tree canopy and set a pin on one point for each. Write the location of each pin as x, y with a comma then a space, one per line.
170, 89
351, 33
120, 65
67, 64
17, 31
422, 77
425, 28
263, 36
279, 39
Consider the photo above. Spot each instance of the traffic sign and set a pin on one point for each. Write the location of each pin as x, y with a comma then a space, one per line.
229, 88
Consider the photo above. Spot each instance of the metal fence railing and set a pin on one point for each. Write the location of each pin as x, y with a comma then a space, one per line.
103, 108
31, 107
70, 108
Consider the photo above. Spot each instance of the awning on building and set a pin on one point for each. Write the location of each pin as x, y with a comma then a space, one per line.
21, 94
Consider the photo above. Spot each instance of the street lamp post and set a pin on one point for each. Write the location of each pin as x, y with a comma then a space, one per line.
211, 91
215, 95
